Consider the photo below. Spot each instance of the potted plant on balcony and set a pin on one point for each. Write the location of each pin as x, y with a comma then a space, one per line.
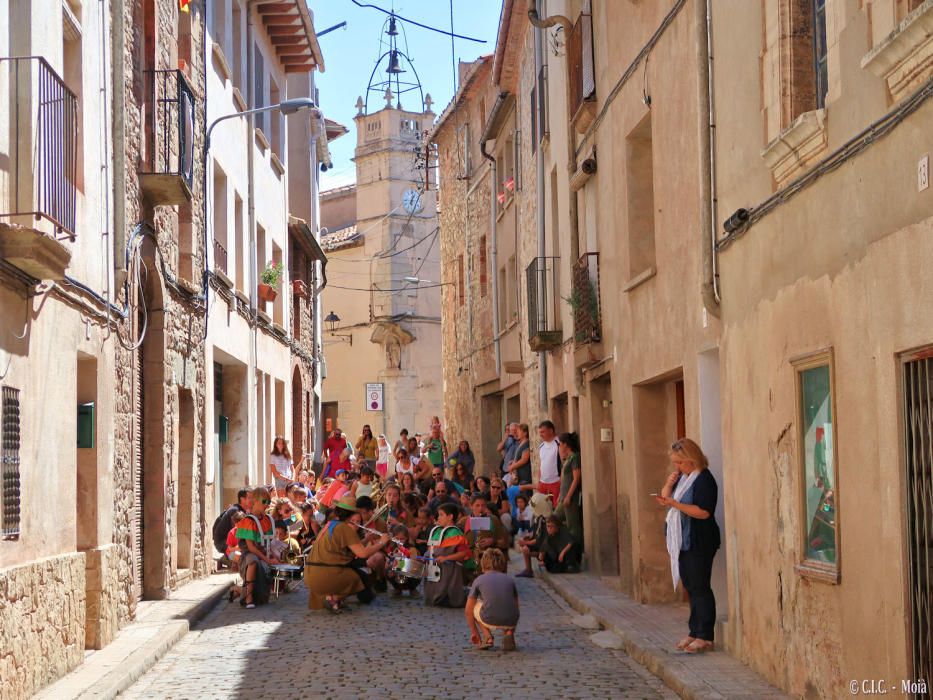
584, 300
269, 280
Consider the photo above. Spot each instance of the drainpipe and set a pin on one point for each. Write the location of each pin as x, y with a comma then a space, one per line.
316, 322
251, 401
709, 206
118, 98
500, 100
539, 195
547, 21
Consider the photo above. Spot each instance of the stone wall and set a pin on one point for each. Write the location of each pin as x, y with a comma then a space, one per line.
42, 614
104, 569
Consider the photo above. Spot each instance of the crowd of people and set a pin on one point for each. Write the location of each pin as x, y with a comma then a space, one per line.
418, 518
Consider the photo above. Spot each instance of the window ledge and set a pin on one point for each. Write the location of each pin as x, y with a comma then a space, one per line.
797, 147
904, 59
241, 296
222, 276
261, 139
220, 61
818, 571
277, 165
238, 100
640, 279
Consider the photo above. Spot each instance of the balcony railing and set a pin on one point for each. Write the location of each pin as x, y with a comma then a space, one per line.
168, 168
584, 299
541, 280
220, 257
42, 146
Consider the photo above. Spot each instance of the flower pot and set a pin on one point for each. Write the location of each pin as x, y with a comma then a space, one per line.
266, 292
300, 289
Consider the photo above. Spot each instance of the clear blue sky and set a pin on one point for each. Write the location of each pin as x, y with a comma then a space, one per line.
350, 55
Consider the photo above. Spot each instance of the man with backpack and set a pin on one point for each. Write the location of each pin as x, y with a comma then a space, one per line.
224, 521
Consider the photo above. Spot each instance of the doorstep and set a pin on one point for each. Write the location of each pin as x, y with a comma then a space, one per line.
158, 626
649, 633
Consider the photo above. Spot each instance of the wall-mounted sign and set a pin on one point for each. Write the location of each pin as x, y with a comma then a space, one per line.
374, 394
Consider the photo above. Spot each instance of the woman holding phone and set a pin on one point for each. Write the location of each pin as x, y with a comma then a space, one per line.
690, 494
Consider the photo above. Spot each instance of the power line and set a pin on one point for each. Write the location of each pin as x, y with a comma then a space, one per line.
418, 24
396, 289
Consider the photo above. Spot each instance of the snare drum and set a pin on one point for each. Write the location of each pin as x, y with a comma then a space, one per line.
292, 571
409, 567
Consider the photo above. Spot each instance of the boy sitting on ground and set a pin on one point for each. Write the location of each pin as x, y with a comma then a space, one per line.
284, 548
493, 603
425, 521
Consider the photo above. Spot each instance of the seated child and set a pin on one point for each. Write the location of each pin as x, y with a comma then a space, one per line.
493, 603
403, 583
424, 522
526, 515
233, 547
284, 548
556, 550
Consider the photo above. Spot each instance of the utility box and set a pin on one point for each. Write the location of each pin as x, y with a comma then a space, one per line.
86, 425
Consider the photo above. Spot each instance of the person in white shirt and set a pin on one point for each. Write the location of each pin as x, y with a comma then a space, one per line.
280, 465
382, 458
549, 459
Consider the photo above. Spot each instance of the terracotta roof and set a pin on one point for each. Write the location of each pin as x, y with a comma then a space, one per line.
473, 72
342, 238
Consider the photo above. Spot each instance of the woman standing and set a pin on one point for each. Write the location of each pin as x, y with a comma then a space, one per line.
367, 448
520, 469
449, 549
690, 493
330, 572
462, 455
570, 501
382, 459
280, 465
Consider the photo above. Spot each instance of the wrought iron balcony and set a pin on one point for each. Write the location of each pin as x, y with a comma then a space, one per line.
542, 283
584, 299
41, 147
38, 167
168, 168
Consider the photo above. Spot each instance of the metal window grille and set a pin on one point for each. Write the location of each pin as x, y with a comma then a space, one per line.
43, 118
821, 81
9, 461
220, 256
541, 278
918, 448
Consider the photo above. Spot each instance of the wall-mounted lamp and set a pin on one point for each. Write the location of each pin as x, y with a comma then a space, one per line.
332, 320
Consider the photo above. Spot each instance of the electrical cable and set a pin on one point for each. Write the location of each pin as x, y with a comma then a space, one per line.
417, 24
395, 289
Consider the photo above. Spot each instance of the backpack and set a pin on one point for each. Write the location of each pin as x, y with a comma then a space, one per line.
219, 531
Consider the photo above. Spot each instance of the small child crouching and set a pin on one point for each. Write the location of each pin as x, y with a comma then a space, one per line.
493, 603
403, 583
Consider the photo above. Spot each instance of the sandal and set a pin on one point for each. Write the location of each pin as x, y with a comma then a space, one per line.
684, 643
332, 606
486, 644
698, 646
247, 600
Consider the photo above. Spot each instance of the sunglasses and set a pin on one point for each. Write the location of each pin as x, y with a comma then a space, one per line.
497, 488
677, 446
265, 501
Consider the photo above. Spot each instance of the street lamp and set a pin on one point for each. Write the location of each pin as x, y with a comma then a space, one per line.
287, 107
332, 320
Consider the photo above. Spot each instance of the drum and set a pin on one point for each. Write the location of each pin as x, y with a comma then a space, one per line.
409, 567
292, 571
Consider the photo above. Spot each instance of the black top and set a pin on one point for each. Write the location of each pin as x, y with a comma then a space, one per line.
524, 471
704, 534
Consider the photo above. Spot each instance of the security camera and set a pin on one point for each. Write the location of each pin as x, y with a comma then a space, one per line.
736, 221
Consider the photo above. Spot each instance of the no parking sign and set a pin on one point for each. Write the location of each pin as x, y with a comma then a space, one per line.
374, 394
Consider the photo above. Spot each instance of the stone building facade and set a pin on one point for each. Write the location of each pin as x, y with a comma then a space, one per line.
103, 226
731, 256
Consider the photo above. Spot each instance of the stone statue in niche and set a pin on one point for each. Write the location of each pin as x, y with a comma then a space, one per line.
393, 354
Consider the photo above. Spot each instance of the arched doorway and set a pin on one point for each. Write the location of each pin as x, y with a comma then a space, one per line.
153, 442
298, 429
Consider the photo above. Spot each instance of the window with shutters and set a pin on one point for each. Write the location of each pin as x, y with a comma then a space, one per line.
537, 108
259, 88
9, 462
582, 72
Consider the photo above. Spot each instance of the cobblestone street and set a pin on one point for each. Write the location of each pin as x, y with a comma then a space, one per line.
395, 648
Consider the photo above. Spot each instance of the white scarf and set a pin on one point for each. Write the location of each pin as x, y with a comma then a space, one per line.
674, 532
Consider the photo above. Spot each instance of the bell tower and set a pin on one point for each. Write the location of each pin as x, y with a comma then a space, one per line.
396, 215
